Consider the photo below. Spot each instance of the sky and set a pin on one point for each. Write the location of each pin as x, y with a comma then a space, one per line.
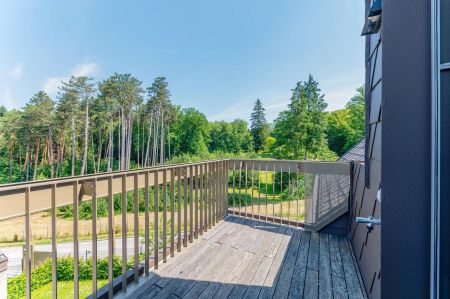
218, 56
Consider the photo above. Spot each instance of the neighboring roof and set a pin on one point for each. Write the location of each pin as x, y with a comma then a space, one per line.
356, 153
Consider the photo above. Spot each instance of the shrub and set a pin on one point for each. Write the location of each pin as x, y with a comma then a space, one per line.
42, 274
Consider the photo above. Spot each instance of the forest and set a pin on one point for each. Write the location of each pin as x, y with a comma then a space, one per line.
119, 124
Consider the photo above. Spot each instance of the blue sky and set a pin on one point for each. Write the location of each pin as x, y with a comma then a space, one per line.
218, 56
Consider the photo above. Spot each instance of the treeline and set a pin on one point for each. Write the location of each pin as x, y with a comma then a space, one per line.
119, 124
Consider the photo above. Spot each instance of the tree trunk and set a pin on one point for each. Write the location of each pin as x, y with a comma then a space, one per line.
93, 154
122, 159
161, 147
73, 145
168, 136
50, 152
27, 163
138, 136
99, 150
130, 140
11, 149
36, 158
148, 140
86, 140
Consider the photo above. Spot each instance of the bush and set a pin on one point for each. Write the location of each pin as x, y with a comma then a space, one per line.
42, 274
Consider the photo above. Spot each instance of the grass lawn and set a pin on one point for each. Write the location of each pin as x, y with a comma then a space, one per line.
65, 289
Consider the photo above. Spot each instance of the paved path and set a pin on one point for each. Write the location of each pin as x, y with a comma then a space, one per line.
15, 254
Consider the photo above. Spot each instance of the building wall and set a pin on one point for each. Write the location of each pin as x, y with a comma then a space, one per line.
367, 176
406, 149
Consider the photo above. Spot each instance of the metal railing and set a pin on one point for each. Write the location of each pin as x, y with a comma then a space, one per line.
184, 201
299, 193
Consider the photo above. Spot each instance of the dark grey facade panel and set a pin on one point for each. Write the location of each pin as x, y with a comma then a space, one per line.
375, 105
376, 66
406, 149
445, 31
445, 188
376, 142
367, 245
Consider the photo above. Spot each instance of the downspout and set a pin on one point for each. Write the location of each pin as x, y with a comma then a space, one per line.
435, 148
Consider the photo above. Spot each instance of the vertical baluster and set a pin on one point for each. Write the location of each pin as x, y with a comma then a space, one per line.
259, 190
221, 193
164, 232
156, 214
240, 192
136, 228
216, 197
201, 197
110, 238
124, 233
234, 184
267, 190
146, 225
191, 204
281, 193
76, 251
27, 244
225, 188
210, 205
205, 195
185, 193
172, 211
179, 209
196, 200
253, 179
54, 248
94, 239
289, 195
273, 193
298, 200
246, 191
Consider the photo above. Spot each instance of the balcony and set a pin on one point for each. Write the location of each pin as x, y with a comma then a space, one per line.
226, 228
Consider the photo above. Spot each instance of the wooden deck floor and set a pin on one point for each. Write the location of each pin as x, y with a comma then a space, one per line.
243, 258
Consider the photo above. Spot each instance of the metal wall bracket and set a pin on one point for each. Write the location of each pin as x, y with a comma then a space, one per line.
445, 66
87, 189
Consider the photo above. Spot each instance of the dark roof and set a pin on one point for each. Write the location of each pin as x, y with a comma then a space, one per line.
356, 153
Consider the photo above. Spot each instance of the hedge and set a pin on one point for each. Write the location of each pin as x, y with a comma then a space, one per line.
42, 274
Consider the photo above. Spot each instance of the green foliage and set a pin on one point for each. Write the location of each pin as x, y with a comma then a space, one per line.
300, 130
192, 132
338, 130
230, 137
356, 107
259, 126
42, 274
346, 127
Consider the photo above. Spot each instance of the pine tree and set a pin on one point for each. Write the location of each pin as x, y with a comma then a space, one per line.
300, 130
259, 127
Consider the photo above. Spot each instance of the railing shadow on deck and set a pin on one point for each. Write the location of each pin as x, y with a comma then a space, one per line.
293, 273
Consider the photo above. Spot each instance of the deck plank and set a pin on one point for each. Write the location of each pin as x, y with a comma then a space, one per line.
299, 276
325, 284
337, 270
351, 276
274, 272
246, 258
284, 282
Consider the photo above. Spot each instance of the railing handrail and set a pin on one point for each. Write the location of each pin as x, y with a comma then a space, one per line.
86, 177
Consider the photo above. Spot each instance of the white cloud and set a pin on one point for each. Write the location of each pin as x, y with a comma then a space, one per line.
52, 84
16, 71
85, 69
